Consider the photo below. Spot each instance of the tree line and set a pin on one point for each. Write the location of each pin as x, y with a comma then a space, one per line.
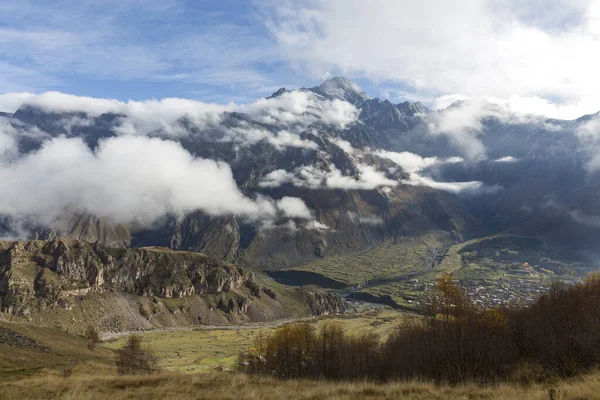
455, 342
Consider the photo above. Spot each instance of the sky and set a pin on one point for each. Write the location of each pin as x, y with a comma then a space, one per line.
538, 56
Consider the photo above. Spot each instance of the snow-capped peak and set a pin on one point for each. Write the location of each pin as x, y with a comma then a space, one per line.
342, 89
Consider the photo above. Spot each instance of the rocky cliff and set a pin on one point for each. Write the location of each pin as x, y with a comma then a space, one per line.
70, 283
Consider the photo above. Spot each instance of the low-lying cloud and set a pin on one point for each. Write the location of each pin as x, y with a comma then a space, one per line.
278, 120
589, 137
414, 165
315, 177
127, 179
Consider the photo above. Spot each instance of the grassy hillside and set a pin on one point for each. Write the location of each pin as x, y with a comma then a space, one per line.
202, 350
18, 359
34, 374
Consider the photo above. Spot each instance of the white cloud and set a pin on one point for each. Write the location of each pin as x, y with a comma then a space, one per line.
328, 177
446, 100
368, 178
589, 137
482, 49
301, 108
289, 115
316, 225
127, 179
249, 135
293, 207
415, 164
7, 145
344, 145
471, 187
409, 162
462, 125
507, 160
276, 178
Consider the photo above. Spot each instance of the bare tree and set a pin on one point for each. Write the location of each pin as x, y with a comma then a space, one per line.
135, 359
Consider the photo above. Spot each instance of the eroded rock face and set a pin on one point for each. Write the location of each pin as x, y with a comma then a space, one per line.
39, 273
324, 303
69, 284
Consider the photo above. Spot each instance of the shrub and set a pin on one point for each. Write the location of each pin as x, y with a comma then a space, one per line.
92, 337
136, 360
67, 371
455, 342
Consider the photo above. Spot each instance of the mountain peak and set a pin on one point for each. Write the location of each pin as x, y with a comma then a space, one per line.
408, 108
278, 93
342, 89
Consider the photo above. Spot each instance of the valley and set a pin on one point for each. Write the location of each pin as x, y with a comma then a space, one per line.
497, 271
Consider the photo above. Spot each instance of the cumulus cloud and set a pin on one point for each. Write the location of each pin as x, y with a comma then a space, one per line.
293, 207
276, 178
127, 178
484, 48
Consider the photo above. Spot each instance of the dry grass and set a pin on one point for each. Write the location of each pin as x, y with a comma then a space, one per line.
16, 362
104, 384
29, 374
203, 350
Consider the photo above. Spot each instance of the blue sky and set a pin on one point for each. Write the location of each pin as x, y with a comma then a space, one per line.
215, 51
540, 55
138, 49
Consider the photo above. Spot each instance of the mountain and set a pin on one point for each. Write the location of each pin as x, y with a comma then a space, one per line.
371, 173
341, 88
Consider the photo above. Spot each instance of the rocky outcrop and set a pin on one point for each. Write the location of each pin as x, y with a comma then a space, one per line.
11, 338
324, 303
43, 273
70, 284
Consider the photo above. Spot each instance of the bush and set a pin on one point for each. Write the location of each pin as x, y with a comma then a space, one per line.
92, 337
67, 371
136, 360
455, 342
560, 330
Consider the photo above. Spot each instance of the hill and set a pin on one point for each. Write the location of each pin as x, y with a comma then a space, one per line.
69, 284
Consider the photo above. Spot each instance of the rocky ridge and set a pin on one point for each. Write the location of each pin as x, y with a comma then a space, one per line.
139, 288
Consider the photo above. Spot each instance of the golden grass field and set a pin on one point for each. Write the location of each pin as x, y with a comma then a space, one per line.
91, 383
188, 361
203, 350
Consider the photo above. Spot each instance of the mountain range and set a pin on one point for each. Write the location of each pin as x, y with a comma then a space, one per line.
312, 175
